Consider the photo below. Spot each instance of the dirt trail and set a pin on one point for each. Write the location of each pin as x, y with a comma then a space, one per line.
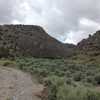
17, 85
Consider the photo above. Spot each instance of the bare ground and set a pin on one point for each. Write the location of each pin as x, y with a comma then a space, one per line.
17, 85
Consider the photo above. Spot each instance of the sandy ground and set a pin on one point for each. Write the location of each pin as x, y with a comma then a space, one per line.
17, 85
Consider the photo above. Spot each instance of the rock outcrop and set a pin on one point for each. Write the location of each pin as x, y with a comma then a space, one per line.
90, 45
30, 40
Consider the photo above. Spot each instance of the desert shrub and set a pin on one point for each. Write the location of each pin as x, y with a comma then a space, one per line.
90, 79
77, 93
4, 52
59, 90
47, 67
6, 62
65, 80
77, 76
69, 81
53, 83
97, 78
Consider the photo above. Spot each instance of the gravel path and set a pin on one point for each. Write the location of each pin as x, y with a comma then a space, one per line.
17, 85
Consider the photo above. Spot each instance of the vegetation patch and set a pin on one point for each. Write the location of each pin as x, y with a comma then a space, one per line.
65, 80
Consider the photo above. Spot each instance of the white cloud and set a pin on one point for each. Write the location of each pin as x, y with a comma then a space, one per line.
75, 37
66, 20
89, 23
15, 22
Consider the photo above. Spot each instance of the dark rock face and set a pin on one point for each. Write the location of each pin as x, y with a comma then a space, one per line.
91, 45
30, 40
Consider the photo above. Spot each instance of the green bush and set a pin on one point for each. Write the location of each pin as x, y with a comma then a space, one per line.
77, 93
44, 67
97, 78
90, 79
77, 76
65, 80
59, 90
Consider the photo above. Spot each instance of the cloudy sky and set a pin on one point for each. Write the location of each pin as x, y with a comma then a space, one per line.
67, 20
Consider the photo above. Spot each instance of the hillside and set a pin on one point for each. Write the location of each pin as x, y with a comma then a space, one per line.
91, 45
76, 76
30, 40
88, 50
33, 41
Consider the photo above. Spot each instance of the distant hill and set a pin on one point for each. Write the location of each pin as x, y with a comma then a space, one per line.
31, 40
91, 45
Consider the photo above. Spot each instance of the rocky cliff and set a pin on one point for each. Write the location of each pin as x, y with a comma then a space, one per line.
91, 45
30, 40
